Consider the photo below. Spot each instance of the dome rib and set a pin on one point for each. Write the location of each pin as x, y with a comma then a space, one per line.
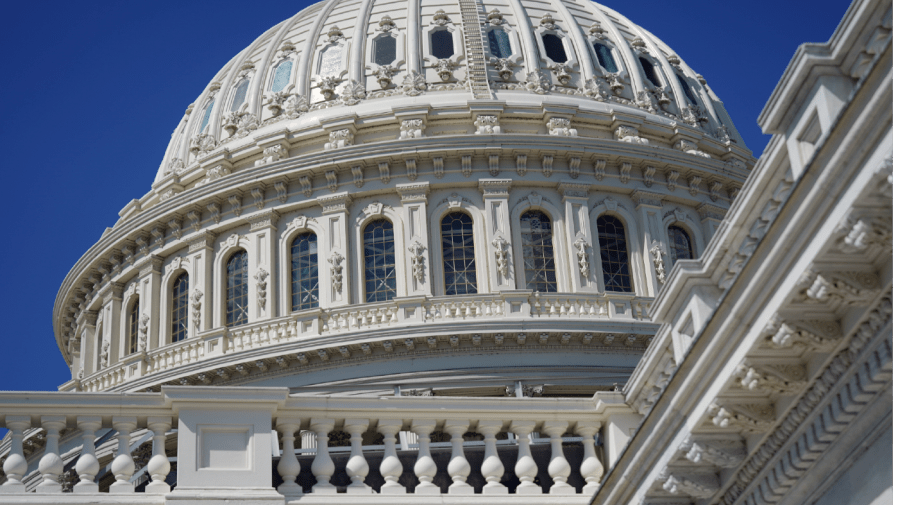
669, 73
357, 55
413, 36
625, 51
525, 32
575, 32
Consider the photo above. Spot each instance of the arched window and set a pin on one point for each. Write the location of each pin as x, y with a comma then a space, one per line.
380, 261
304, 271
282, 76
680, 244
179, 294
554, 48
459, 267
441, 45
240, 95
384, 50
687, 90
606, 59
499, 43
133, 325
237, 295
207, 112
615, 260
538, 253
649, 70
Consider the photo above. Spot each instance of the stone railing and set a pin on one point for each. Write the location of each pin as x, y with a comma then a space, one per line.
464, 313
226, 446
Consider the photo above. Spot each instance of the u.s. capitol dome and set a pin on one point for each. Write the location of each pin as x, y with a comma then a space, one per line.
378, 196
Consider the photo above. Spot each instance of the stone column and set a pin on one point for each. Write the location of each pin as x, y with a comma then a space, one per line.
334, 282
323, 466
425, 467
262, 263
91, 343
149, 289
414, 213
711, 216
459, 468
498, 234
200, 252
581, 261
591, 469
648, 212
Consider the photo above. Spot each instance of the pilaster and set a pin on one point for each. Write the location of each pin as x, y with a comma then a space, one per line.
111, 295
711, 216
334, 246
418, 264
580, 259
262, 274
149, 288
200, 251
648, 212
498, 234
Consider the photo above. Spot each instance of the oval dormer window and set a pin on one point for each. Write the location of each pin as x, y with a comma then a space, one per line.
384, 50
554, 48
282, 76
606, 59
240, 95
441, 45
500, 46
649, 70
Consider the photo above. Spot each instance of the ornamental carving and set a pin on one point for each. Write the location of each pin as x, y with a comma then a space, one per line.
334, 35
202, 144
561, 72
386, 24
672, 177
276, 100
503, 66
384, 75
501, 256
487, 125
771, 379
417, 250
336, 262
693, 115
494, 17
339, 139
638, 45
849, 287
412, 129
658, 253
142, 330
596, 88
328, 87
689, 147
261, 286
582, 257
272, 154
353, 93
240, 123
104, 355
440, 18
296, 106
537, 83
548, 22
630, 135
444, 69
561, 127
196, 303
597, 31
722, 453
414, 83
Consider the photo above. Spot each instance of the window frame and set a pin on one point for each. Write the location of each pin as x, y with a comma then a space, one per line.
686, 232
289, 261
442, 252
569, 49
522, 275
171, 296
397, 258
431, 61
637, 274
224, 285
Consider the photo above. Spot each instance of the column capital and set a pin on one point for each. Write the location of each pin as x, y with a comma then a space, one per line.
708, 211
204, 240
414, 192
494, 188
267, 218
573, 190
649, 198
150, 264
338, 202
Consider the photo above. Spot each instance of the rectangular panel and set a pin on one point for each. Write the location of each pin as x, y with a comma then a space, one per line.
225, 448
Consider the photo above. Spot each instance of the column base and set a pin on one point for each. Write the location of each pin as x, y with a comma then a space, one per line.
157, 488
528, 488
428, 488
236, 496
494, 488
562, 489
121, 488
397, 489
86, 488
363, 489
461, 488
324, 489
9, 488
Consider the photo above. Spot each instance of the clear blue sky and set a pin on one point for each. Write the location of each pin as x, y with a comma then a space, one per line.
92, 90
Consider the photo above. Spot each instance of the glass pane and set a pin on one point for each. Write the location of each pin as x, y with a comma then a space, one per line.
554, 48
441, 44
459, 267
687, 90
206, 114
304, 271
331, 62
237, 290
680, 244
179, 296
240, 95
384, 50
649, 70
615, 259
539, 255
380, 261
605, 57
499, 44
133, 322
281, 76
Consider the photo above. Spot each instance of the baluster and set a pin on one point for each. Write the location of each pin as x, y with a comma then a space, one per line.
394, 317
488, 305
123, 465
478, 308
51, 466
322, 465
591, 469
87, 466
158, 466
357, 466
425, 466
459, 468
390, 467
468, 310
289, 466
492, 467
525, 468
16, 466
559, 468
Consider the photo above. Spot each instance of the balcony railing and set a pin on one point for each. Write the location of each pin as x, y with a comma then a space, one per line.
226, 444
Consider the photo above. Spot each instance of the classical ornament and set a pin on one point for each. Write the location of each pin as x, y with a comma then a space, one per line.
648, 176
331, 177
466, 167
858, 233
657, 252
384, 75
548, 22
336, 261
296, 106
414, 83
240, 123
722, 453
353, 92
358, 176
750, 417
695, 483
693, 115
537, 83
521, 164
672, 177
559, 126
771, 379
819, 335
562, 72
599, 168
175, 166
339, 139
630, 135
142, 330
714, 190
494, 17
384, 168
444, 69
848, 287
503, 67
202, 144
196, 303
328, 86
271, 154
334, 35
487, 125
276, 100
417, 250
386, 24
582, 257
438, 168
596, 88
548, 160
104, 355
261, 286
638, 45
440, 18
689, 147
411, 129
501, 256
625, 168
597, 31
723, 134
573, 167
694, 181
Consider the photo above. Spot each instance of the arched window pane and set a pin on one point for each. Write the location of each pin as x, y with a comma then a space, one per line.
240, 95
554, 48
331, 62
380, 261
237, 290
441, 45
649, 70
680, 244
459, 268
133, 324
304, 271
282, 76
206, 114
384, 50
687, 90
499, 43
606, 59
539, 256
615, 260
179, 294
